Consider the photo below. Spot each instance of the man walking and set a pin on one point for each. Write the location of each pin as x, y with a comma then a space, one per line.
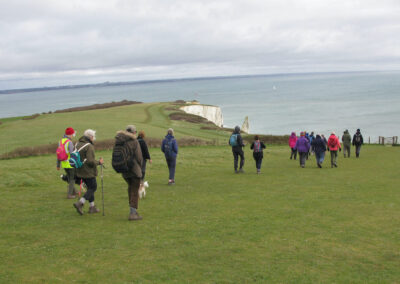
88, 171
346, 139
169, 147
357, 142
333, 146
66, 147
236, 143
126, 140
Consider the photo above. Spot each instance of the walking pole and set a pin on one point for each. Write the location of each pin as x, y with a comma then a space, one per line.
102, 187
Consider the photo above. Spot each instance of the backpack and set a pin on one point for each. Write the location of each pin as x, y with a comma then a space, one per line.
233, 140
122, 157
61, 153
168, 148
257, 146
75, 159
358, 139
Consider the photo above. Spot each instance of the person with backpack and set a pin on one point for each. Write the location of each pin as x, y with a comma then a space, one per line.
88, 170
257, 146
319, 147
236, 142
302, 146
127, 159
292, 143
64, 150
346, 140
333, 147
169, 147
357, 142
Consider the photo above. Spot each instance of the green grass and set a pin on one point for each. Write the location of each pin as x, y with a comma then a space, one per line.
286, 225
49, 128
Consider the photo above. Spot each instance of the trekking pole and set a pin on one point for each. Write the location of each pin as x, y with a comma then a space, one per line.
102, 187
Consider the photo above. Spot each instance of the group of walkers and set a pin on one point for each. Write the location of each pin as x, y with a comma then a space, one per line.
129, 157
306, 145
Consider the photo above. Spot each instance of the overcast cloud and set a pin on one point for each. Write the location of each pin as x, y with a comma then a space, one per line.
46, 43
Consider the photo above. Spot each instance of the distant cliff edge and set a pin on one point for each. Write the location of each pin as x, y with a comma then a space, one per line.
211, 113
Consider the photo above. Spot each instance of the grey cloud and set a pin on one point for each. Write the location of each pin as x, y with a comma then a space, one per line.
71, 39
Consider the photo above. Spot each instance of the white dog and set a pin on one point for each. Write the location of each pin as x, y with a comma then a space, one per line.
142, 189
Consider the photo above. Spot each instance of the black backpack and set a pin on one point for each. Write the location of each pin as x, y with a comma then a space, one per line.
358, 138
122, 157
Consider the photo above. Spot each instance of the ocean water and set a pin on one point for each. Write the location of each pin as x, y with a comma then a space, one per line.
275, 104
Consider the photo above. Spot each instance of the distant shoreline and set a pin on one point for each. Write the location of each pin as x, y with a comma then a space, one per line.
127, 83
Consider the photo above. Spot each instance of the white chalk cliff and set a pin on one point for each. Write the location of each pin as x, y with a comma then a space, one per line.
211, 113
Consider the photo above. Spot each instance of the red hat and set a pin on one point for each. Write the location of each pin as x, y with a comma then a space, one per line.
69, 131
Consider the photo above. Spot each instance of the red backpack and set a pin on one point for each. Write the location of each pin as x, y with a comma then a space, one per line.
257, 146
61, 153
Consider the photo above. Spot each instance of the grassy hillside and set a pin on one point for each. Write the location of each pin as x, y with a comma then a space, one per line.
49, 128
286, 225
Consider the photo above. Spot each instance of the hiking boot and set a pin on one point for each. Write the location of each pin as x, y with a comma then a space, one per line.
302, 166
241, 171
172, 182
134, 217
79, 206
70, 196
236, 171
319, 165
93, 209
258, 172
335, 166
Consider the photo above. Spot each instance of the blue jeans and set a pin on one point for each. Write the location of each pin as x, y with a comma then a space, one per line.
320, 157
171, 162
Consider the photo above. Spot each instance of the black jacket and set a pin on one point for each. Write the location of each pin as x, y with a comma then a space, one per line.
355, 140
258, 154
318, 145
145, 150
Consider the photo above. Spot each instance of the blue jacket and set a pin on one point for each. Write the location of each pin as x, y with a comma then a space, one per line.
174, 145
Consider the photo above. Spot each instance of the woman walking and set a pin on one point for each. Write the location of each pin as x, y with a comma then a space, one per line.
257, 146
303, 146
318, 146
292, 144
333, 146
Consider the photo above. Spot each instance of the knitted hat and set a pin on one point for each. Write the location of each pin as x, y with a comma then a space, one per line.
69, 131
131, 128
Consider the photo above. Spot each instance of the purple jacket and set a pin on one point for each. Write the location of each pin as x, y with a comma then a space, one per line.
302, 145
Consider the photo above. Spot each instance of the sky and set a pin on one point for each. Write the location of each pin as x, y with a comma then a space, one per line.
51, 43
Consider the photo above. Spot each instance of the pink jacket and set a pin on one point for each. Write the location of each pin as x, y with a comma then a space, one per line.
292, 140
333, 143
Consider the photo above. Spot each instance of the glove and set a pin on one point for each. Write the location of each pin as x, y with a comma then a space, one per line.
340, 149
327, 149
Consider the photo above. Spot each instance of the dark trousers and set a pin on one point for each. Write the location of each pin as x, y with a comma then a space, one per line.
236, 155
144, 168
358, 148
71, 180
133, 191
293, 153
333, 158
91, 185
346, 149
303, 158
258, 162
171, 162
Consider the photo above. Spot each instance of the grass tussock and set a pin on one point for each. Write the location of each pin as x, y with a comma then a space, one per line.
188, 118
98, 106
106, 144
33, 116
267, 139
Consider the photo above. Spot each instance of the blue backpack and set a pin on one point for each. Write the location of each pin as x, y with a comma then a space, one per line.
75, 159
233, 140
168, 148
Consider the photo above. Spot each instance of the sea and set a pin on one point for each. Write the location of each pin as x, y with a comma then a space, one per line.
274, 104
